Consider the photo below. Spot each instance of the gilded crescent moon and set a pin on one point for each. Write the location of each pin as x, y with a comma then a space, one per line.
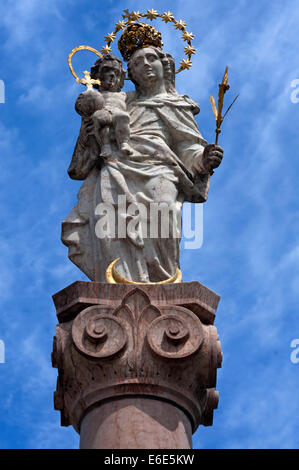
113, 277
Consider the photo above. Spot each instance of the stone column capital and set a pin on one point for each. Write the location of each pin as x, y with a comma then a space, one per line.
154, 341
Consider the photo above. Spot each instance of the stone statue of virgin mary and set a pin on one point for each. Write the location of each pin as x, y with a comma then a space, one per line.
168, 162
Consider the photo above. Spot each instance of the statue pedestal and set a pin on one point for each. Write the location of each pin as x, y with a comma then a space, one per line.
136, 363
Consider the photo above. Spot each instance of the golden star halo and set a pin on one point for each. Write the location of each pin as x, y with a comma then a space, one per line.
136, 15
167, 17
187, 36
185, 64
189, 50
110, 37
180, 24
120, 25
152, 14
106, 49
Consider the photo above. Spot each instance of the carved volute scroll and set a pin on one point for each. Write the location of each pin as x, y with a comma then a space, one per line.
138, 347
178, 333
97, 334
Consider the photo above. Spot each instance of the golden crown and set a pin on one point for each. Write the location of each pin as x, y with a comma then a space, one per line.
138, 35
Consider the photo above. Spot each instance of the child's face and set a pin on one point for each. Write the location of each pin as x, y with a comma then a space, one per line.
110, 75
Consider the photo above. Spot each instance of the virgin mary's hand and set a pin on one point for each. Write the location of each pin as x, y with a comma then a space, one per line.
212, 156
88, 126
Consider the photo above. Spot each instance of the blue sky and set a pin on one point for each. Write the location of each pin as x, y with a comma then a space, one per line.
250, 252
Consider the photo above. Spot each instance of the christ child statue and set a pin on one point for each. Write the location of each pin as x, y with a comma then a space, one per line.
107, 106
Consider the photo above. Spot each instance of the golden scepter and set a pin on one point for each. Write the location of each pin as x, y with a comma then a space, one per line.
223, 87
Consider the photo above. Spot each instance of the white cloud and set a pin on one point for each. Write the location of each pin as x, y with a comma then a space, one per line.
24, 20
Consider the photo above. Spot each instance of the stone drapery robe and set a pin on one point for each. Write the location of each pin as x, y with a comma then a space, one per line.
166, 142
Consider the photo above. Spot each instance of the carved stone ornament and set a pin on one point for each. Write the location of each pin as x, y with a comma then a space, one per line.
121, 340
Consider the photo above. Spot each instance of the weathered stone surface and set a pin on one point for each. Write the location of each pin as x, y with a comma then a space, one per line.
81, 294
118, 341
136, 423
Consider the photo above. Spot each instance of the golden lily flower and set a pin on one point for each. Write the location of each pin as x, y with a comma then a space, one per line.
127, 14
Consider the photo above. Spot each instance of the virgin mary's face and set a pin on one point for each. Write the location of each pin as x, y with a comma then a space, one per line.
146, 67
